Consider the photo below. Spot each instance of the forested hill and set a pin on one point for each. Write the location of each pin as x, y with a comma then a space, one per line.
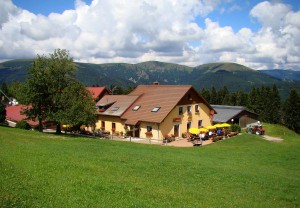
283, 74
234, 76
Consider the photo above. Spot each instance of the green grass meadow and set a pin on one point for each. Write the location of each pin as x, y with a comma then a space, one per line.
45, 170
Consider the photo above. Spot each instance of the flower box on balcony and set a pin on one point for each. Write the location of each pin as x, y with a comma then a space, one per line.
101, 110
148, 133
177, 119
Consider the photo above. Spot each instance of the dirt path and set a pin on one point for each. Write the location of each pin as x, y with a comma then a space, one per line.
273, 139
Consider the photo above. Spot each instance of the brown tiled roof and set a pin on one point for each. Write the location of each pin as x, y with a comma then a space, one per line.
164, 96
119, 102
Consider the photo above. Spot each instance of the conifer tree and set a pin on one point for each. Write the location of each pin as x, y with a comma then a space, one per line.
252, 100
242, 98
213, 96
275, 106
291, 111
205, 94
222, 93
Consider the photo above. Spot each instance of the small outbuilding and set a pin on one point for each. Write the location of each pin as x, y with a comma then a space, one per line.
234, 115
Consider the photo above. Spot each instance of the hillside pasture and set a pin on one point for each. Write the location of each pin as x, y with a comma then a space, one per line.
45, 170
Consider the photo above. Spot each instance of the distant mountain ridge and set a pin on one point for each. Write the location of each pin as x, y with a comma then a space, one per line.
283, 74
234, 76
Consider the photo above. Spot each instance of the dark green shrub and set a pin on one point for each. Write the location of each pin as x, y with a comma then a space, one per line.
235, 128
23, 125
2, 112
4, 123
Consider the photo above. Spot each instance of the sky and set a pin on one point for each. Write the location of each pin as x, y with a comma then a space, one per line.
257, 34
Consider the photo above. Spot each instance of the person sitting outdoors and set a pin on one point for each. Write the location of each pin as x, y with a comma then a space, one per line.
219, 132
210, 134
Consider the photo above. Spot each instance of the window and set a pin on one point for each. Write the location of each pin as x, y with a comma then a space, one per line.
114, 108
189, 109
199, 123
188, 125
155, 109
149, 128
136, 107
197, 108
180, 110
102, 124
113, 126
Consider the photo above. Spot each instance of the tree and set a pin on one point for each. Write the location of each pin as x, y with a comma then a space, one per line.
4, 89
205, 94
52, 93
213, 96
2, 112
242, 98
61, 73
291, 111
76, 99
34, 92
275, 106
253, 99
222, 93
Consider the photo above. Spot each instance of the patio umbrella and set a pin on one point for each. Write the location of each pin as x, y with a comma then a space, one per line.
203, 130
225, 124
210, 127
218, 126
194, 131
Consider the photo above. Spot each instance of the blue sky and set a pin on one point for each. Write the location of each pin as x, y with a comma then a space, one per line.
258, 34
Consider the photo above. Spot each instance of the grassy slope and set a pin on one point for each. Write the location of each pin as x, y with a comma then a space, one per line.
40, 170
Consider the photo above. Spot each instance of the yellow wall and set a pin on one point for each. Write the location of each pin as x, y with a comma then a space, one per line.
167, 126
108, 123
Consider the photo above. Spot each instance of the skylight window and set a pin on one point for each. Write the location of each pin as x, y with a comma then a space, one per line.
136, 107
114, 108
155, 109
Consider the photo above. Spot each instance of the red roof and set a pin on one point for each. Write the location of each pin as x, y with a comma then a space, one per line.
96, 91
13, 113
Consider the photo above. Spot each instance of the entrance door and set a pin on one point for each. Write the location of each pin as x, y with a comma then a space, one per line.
176, 130
135, 131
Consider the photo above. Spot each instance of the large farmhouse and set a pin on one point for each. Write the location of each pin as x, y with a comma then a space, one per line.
153, 111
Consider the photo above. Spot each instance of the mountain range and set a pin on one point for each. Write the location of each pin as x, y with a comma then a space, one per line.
234, 76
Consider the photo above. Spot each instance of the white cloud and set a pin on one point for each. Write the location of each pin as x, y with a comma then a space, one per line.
141, 30
270, 14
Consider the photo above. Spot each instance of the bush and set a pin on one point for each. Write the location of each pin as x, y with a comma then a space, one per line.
2, 112
23, 125
235, 128
4, 123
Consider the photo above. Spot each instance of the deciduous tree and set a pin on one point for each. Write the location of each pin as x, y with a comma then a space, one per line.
52, 93
34, 93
